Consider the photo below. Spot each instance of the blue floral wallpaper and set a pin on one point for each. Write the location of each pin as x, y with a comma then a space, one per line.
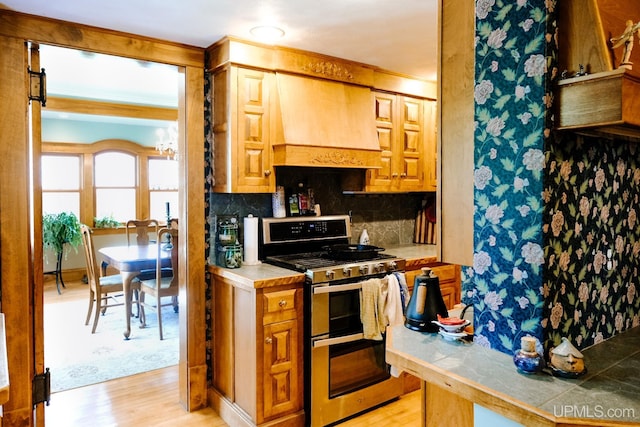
515, 54
556, 229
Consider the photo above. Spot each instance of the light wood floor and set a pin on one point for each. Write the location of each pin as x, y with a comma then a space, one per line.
152, 398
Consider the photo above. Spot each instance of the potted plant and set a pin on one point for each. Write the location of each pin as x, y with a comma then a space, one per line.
59, 230
106, 222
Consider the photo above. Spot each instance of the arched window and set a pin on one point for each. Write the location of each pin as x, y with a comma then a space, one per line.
115, 185
109, 178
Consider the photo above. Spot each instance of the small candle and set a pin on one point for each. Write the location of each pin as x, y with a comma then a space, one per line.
168, 210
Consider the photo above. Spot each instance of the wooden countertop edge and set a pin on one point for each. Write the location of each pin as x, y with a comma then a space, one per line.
500, 403
4, 365
415, 263
288, 278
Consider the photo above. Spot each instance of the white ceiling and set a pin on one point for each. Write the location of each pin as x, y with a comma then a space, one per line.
395, 35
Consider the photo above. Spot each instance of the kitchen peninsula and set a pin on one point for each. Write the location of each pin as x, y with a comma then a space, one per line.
457, 377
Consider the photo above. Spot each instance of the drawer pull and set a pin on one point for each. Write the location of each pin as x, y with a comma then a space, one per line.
282, 303
268, 340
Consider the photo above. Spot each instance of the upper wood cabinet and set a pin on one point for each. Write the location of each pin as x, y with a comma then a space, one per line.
242, 130
607, 99
276, 106
404, 125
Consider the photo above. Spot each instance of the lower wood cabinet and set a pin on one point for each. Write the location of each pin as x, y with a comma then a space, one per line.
448, 277
257, 357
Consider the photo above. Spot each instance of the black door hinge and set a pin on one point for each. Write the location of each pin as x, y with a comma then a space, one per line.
37, 86
41, 388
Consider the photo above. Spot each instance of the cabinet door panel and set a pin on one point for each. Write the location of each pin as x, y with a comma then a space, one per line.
281, 370
400, 125
253, 138
385, 104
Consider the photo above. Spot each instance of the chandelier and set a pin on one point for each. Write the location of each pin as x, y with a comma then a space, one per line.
167, 140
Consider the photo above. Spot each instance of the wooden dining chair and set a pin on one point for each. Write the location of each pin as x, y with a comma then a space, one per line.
160, 287
104, 291
142, 228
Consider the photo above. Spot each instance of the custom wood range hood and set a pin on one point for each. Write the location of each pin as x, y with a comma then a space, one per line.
325, 123
315, 110
605, 101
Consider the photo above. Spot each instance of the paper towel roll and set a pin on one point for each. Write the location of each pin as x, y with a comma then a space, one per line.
251, 240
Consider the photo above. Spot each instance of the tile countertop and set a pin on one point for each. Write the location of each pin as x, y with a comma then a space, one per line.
416, 254
609, 391
266, 275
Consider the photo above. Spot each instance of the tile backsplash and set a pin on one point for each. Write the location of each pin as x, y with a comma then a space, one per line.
388, 218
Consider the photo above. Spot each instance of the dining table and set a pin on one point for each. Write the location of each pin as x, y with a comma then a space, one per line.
131, 260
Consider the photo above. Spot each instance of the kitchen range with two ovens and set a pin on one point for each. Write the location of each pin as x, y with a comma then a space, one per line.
344, 373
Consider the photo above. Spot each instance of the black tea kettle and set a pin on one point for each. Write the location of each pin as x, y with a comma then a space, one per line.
426, 303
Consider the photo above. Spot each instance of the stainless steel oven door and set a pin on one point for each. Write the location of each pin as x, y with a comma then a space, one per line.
348, 373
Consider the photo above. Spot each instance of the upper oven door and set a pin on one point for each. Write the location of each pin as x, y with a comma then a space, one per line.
335, 309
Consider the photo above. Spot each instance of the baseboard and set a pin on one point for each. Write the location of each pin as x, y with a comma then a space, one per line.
236, 417
67, 275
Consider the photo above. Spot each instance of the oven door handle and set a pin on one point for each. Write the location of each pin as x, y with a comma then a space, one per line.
336, 288
337, 340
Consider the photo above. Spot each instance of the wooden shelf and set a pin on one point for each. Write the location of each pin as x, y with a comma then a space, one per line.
601, 103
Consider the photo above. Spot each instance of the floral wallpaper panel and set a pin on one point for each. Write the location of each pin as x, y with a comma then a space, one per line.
592, 235
511, 123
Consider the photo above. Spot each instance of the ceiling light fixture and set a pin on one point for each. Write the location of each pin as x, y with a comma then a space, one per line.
267, 33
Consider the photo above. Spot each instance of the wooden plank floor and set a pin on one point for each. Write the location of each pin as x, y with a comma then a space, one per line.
152, 398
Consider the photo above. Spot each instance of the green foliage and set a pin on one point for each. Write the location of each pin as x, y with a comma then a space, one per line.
60, 229
105, 222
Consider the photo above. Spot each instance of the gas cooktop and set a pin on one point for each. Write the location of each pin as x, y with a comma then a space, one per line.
301, 244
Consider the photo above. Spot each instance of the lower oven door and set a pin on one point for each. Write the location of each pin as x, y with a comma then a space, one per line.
348, 374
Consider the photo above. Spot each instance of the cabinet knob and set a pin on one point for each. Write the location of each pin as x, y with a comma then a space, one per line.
394, 175
404, 175
268, 340
267, 172
282, 303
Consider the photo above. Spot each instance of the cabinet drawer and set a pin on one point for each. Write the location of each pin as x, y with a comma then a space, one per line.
278, 306
446, 273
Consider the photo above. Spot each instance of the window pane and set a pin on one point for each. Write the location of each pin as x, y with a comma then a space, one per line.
60, 172
121, 204
158, 201
163, 174
115, 170
53, 203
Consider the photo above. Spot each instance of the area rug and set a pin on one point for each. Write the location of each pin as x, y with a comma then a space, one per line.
76, 357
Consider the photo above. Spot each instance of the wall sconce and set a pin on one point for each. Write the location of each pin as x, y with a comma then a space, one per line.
168, 140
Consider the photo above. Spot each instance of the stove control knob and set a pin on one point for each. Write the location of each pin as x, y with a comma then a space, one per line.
392, 266
379, 268
346, 272
330, 274
364, 269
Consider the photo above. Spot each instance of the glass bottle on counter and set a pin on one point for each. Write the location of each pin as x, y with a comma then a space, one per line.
294, 209
303, 199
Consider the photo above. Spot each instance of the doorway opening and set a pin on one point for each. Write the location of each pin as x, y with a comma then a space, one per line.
101, 105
